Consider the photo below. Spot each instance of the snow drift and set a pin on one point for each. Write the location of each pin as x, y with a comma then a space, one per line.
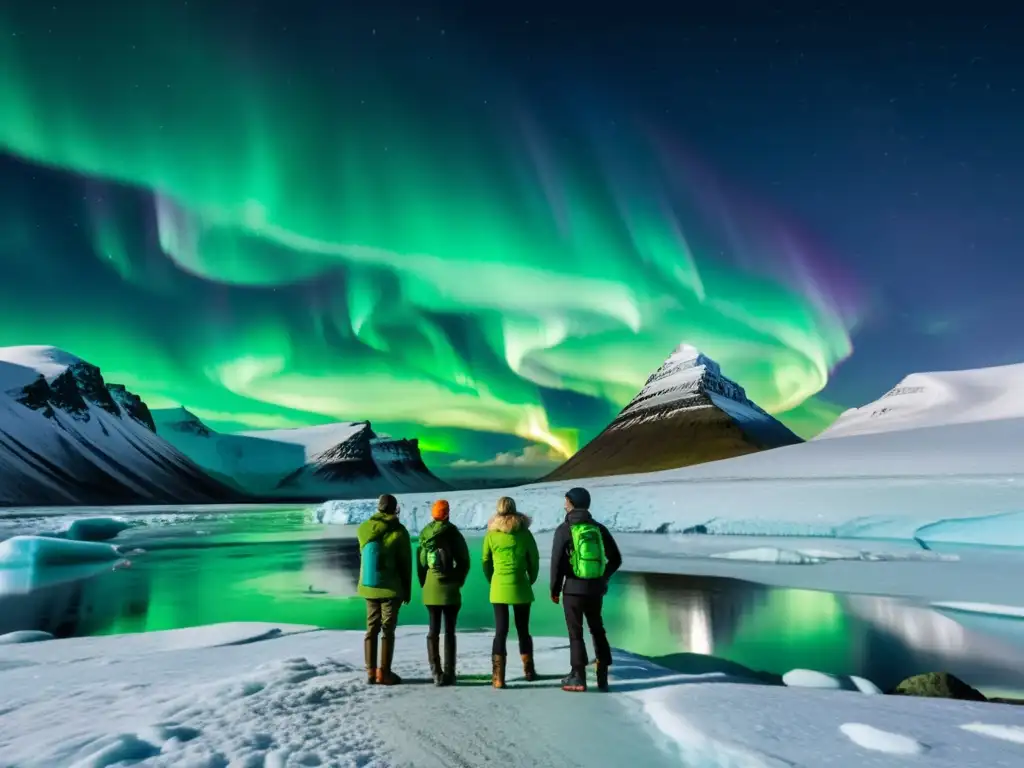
344, 459
687, 413
67, 437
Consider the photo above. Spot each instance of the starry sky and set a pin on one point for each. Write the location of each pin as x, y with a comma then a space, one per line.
484, 225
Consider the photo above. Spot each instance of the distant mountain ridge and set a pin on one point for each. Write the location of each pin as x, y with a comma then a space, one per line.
687, 413
938, 399
339, 460
68, 437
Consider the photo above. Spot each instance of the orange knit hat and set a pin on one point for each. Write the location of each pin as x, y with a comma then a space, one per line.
440, 510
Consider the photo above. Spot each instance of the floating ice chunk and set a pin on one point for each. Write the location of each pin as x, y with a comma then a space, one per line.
808, 678
24, 636
95, 529
872, 738
1014, 733
865, 686
23, 551
779, 556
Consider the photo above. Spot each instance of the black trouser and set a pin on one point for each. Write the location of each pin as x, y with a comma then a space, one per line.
578, 607
522, 617
451, 615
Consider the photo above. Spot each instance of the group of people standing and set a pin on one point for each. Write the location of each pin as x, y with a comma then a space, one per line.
584, 556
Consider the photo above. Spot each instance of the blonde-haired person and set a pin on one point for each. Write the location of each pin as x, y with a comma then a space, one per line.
511, 563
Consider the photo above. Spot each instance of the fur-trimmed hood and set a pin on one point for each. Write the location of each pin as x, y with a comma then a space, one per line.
508, 523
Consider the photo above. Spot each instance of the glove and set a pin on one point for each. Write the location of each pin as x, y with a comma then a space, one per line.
554, 599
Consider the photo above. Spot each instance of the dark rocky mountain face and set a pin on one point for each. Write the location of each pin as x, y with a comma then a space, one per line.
92, 387
37, 396
65, 396
351, 459
75, 388
132, 405
401, 455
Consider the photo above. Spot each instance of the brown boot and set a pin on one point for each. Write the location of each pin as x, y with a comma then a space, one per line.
387, 652
529, 671
370, 652
498, 671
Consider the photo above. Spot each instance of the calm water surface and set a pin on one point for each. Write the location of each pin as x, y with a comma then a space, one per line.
277, 567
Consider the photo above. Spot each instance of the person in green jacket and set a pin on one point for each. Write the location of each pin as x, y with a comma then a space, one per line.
385, 580
511, 564
442, 566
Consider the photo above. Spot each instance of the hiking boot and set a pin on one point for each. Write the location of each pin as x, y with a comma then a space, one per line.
497, 671
602, 676
449, 660
370, 652
387, 652
575, 681
434, 659
529, 671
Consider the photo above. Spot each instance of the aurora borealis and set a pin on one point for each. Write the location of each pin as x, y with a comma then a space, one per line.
366, 222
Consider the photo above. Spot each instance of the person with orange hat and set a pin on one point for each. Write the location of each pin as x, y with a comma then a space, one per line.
443, 564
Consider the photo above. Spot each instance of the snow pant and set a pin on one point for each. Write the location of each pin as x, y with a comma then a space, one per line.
522, 618
577, 608
382, 615
450, 614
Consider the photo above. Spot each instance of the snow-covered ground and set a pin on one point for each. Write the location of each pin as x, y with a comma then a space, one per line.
264, 695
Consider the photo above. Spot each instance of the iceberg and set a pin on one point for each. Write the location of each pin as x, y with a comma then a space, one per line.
30, 551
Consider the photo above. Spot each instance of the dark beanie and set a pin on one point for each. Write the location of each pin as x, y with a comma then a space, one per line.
579, 497
387, 504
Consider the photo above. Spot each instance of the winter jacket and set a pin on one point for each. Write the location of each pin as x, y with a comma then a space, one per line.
443, 589
562, 578
395, 564
511, 561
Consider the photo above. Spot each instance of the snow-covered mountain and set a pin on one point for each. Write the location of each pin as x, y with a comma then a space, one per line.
340, 460
687, 413
67, 437
938, 399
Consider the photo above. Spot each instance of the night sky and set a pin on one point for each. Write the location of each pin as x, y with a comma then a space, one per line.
485, 224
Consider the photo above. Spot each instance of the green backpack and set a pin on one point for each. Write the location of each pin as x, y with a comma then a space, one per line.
587, 554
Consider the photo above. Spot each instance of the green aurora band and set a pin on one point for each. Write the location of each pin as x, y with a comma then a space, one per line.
345, 231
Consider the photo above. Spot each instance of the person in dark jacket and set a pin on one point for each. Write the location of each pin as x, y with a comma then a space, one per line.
393, 586
442, 589
582, 598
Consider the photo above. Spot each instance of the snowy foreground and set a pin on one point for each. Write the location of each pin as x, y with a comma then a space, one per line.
263, 695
